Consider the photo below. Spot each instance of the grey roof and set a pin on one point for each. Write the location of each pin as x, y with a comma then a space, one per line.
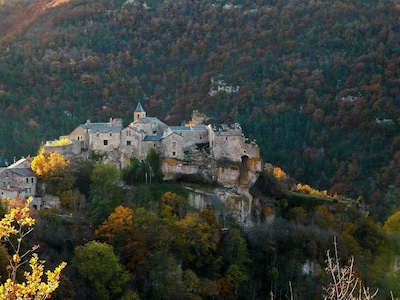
187, 128
150, 120
23, 172
199, 127
180, 128
148, 138
101, 127
139, 108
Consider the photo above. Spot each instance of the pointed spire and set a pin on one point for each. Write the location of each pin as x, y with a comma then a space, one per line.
139, 112
139, 108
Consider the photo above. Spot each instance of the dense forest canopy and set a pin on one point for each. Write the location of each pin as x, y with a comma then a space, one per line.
319, 80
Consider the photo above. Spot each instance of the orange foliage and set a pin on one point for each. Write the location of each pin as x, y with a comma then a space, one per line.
279, 174
120, 221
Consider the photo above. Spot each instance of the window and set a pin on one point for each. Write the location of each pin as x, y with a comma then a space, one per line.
173, 153
27, 180
128, 143
173, 145
110, 133
105, 142
32, 180
97, 134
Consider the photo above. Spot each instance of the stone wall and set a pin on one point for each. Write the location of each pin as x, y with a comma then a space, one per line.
68, 151
27, 184
104, 141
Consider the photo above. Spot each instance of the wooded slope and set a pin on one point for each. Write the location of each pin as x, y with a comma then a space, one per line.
319, 80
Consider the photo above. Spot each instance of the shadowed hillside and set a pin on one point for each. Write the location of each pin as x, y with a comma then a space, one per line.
318, 82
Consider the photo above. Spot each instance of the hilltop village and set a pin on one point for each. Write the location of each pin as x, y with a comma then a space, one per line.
212, 152
192, 149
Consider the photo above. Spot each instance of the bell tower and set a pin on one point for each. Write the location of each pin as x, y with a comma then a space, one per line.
139, 113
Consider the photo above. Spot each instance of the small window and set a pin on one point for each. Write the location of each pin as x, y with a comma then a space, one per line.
32, 180
154, 132
110, 133
128, 143
97, 134
78, 138
173, 145
105, 142
27, 180
173, 153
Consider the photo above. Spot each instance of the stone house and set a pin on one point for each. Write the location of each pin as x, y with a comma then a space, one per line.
18, 180
117, 144
172, 145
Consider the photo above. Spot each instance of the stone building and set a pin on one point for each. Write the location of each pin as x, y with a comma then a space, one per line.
190, 147
18, 180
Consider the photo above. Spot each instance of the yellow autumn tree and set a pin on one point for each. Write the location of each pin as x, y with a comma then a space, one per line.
14, 227
49, 165
279, 174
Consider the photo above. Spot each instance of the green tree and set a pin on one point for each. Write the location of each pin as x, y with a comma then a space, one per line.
98, 265
198, 239
134, 172
105, 192
153, 159
392, 224
233, 249
238, 275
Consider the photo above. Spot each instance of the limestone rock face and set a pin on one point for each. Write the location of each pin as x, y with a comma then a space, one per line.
230, 175
231, 199
226, 203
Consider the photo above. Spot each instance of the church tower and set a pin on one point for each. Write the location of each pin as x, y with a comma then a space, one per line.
139, 113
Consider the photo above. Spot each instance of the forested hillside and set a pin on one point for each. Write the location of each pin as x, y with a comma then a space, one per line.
319, 80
